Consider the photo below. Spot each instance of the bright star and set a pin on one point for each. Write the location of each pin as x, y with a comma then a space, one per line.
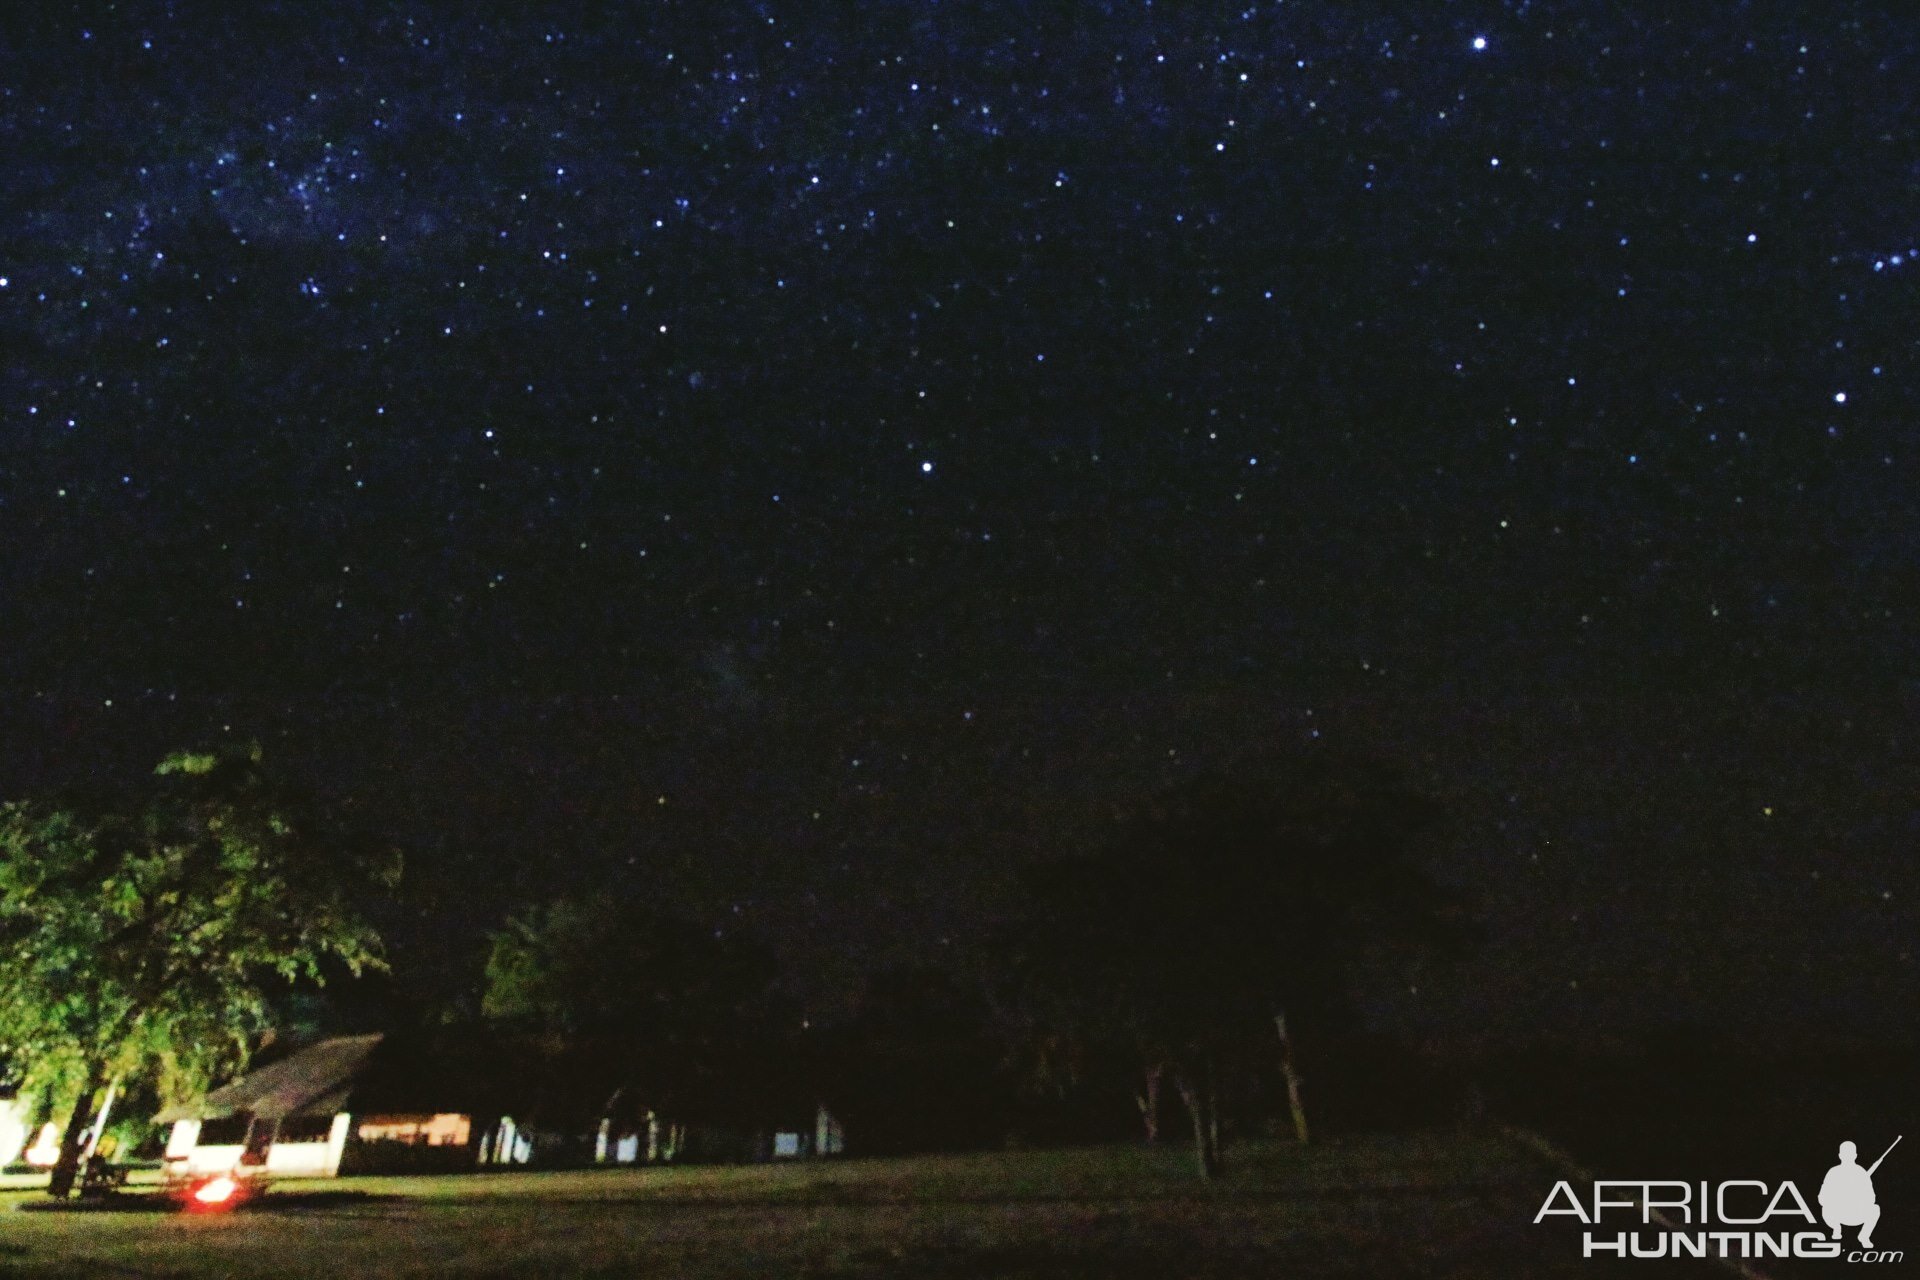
1479, 42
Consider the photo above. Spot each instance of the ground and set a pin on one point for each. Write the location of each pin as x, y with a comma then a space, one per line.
1442, 1205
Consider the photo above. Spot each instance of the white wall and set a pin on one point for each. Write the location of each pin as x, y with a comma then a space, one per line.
302, 1160
506, 1144
181, 1141
311, 1159
221, 1159
828, 1138
187, 1158
337, 1141
13, 1129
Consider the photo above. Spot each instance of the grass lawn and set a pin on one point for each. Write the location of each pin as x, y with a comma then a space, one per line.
1378, 1207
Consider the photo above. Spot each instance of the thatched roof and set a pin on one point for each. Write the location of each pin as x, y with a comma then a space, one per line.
311, 1081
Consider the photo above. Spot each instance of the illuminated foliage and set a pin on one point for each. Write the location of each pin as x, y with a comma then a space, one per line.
151, 941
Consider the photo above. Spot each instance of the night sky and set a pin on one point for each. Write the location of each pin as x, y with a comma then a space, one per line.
803, 462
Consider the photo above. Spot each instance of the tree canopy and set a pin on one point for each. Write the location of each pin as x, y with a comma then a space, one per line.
1219, 910
620, 1002
151, 938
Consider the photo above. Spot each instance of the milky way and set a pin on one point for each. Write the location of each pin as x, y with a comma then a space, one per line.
815, 460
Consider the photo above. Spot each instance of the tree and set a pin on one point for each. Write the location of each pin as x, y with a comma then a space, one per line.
619, 1002
153, 941
917, 1066
1117, 962
1228, 910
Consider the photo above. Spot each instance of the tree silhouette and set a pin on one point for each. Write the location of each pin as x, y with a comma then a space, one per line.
1223, 914
620, 1003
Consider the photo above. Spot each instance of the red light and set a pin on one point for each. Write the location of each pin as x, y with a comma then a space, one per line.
216, 1190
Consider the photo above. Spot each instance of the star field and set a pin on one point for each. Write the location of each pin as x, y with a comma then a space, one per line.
815, 460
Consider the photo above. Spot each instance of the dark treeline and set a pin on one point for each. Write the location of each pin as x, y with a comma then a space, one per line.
1179, 977
1172, 981
1196, 977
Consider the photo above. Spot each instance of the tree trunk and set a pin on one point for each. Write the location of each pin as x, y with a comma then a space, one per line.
1205, 1131
1295, 1104
1148, 1100
1212, 1084
66, 1170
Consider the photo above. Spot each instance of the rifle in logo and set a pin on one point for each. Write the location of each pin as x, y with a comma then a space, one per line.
1846, 1196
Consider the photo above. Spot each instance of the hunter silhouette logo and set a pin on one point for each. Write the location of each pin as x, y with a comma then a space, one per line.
1846, 1197
1737, 1218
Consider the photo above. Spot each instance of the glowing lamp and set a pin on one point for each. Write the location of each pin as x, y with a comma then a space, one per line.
45, 1151
215, 1191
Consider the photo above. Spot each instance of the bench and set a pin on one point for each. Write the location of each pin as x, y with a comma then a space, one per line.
101, 1178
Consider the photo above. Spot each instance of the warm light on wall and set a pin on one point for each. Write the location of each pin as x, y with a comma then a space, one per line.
216, 1190
443, 1130
45, 1150
13, 1130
